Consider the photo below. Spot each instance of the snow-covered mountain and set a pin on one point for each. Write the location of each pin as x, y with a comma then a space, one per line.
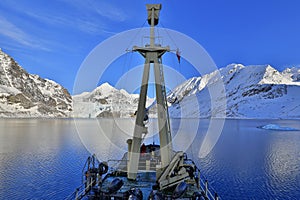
250, 92
26, 95
106, 101
292, 74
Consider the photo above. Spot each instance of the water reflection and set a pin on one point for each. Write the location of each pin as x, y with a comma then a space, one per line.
283, 162
43, 159
251, 163
107, 137
39, 159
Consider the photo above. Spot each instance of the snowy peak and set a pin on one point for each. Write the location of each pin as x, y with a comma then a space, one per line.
106, 101
247, 75
26, 95
255, 74
272, 76
293, 74
257, 91
103, 90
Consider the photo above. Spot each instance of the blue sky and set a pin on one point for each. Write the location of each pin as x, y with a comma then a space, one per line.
52, 38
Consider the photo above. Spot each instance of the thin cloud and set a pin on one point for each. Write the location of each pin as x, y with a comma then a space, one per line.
91, 17
86, 16
50, 19
111, 12
87, 26
103, 9
16, 34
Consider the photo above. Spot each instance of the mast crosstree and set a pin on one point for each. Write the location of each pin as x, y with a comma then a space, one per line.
153, 57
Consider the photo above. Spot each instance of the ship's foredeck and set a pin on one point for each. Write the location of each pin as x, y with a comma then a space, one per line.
145, 181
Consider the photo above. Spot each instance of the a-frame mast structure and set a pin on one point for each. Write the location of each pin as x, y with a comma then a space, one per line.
153, 57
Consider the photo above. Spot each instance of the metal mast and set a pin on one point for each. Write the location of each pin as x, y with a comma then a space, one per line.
153, 57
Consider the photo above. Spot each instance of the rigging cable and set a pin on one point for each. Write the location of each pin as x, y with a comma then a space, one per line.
138, 32
165, 29
178, 52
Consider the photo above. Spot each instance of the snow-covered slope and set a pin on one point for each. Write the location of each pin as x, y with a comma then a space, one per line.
251, 92
26, 95
293, 74
105, 101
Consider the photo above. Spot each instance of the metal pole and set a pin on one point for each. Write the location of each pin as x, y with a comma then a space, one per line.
134, 155
216, 196
152, 38
164, 132
206, 188
76, 194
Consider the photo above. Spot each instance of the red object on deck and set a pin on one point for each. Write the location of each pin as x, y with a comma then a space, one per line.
143, 148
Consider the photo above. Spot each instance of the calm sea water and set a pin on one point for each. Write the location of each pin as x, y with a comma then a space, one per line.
43, 159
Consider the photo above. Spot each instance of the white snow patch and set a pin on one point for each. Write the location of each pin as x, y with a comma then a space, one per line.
4, 90
277, 127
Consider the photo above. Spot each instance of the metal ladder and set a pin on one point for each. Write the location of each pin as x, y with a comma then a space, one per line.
164, 93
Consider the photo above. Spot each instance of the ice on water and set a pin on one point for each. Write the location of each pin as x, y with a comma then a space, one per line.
278, 127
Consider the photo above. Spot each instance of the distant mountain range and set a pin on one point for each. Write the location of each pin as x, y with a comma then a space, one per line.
250, 92
26, 95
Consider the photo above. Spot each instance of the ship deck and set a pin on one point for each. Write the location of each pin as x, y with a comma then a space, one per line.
145, 181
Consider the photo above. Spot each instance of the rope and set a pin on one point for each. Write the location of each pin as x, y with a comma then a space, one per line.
131, 41
169, 35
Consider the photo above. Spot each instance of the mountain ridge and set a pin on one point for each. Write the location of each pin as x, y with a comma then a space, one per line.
27, 95
257, 91
254, 91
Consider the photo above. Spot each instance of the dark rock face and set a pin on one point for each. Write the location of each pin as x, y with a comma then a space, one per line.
26, 95
109, 114
257, 90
